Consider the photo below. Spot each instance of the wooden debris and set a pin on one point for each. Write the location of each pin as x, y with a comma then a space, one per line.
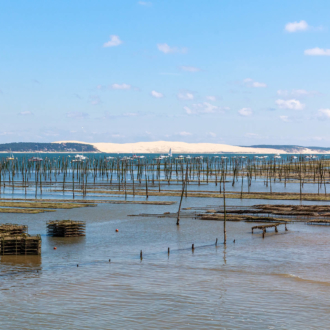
264, 228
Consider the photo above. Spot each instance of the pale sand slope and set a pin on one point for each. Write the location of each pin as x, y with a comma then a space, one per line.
163, 147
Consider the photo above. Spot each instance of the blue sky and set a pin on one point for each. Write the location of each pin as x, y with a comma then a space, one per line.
234, 72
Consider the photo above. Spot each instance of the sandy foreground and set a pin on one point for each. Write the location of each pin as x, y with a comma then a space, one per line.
163, 147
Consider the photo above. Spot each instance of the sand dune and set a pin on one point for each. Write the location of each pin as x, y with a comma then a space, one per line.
161, 147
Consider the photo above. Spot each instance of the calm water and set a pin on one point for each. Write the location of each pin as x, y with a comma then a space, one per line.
280, 282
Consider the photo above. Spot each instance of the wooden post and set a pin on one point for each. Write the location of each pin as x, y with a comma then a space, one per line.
193, 247
224, 210
168, 251
276, 231
141, 255
263, 233
286, 229
216, 242
183, 187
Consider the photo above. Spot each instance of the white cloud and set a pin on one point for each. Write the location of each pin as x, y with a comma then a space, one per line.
185, 133
117, 136
76, 114
26, 113
185, 96
121, 86
188, 110
317, 52
245, 112
157, 94
144, 3
297, 93
297, 26
324, 113
251, 83
189, 68
258, 84
211, 98
202, 108
285, 118
283, 92
114, 41
166, 49
290, 104
209, 108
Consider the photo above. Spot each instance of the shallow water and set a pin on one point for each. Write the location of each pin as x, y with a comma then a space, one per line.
280, 282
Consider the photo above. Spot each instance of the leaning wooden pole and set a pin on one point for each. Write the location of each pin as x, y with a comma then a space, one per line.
183, 187
224, 210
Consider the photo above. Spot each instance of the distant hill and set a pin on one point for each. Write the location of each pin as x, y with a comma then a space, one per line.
292, 148
46, 147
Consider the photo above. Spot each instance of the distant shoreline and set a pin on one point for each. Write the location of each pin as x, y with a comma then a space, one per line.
157, 147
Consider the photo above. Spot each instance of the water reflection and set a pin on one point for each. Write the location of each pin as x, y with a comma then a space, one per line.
19, 265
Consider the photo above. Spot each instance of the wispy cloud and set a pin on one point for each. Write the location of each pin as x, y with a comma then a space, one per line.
157, 94
121, 86
251, 83
166, 49
245, 112
290, 104
203, 108
285, 119
211, 134
211, 98
317, 52
189, 68
110, 115
184, 133
297, 93
26, 113
324, 113
77, 114
296, 26
185, 96
95, 100
114, 41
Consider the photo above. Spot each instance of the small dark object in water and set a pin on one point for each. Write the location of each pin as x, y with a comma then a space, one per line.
234, 241
109, 260
77, 265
